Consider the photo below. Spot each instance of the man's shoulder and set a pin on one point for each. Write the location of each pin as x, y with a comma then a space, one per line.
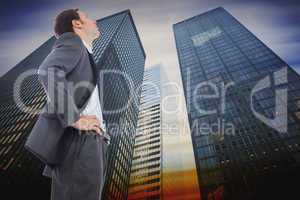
66, 55
67, 51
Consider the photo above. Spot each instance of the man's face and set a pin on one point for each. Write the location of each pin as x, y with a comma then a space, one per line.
89, 26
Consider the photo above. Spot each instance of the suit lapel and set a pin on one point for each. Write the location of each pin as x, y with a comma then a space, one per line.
94, 67
96, 72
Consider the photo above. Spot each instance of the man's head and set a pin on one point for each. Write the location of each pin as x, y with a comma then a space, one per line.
77, 21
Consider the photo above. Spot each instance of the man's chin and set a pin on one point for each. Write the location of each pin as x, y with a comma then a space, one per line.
97, 35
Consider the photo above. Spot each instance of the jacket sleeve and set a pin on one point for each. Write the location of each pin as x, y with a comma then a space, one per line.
60, 92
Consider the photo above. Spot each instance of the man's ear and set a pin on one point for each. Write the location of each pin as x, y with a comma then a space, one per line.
76, 23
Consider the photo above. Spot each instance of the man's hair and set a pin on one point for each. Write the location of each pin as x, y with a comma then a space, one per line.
63, 21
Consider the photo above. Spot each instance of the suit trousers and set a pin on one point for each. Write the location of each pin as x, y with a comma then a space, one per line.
81, 174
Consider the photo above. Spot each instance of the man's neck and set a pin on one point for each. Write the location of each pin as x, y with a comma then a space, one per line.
88, 43
88, 46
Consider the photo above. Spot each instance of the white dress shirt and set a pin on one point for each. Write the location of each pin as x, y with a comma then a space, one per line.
93, 107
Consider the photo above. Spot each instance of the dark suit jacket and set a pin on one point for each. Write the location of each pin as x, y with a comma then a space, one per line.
64, 68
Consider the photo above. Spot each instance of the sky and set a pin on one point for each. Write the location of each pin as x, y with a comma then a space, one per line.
26, 24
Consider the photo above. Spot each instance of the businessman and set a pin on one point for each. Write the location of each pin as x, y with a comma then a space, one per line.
69, 136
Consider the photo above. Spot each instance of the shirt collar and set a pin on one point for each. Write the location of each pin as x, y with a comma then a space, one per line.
89, 47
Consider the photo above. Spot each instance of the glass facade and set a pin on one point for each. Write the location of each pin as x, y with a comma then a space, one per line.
118, 51
243, 109
18, 168
145, 177
124, 54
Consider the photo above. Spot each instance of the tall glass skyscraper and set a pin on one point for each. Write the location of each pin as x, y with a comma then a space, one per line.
120, 54
243, 109
145, 177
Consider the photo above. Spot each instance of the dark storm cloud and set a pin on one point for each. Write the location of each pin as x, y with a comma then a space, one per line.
25, 25
15, 13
